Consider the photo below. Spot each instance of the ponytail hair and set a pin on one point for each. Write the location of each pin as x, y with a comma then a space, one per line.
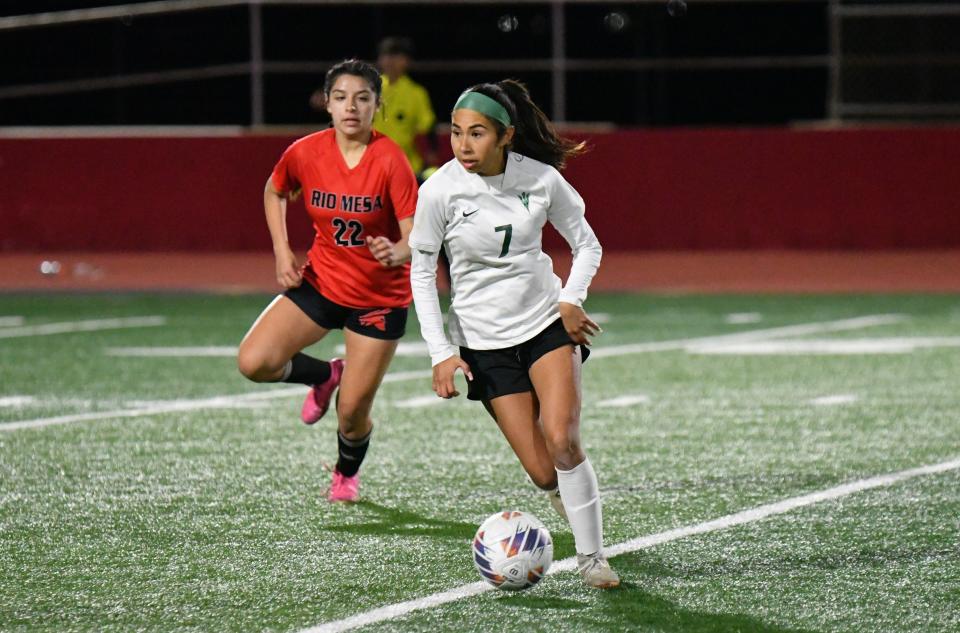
535, 135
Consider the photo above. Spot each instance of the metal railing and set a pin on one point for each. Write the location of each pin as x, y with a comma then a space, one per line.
843, 63
558, 64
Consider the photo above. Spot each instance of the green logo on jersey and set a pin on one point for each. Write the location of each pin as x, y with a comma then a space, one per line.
525, 199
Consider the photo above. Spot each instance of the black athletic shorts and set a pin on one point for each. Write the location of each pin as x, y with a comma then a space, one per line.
501, 372
388, 324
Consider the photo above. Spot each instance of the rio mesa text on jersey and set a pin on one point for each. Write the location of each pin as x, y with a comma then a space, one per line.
343, 202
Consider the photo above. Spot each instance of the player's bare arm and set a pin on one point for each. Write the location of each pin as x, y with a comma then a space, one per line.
443, 373
389, 253
577, 324
275, 209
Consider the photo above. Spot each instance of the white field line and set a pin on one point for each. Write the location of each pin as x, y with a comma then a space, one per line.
9, 321
840, 398
420, 401
403, 349
216, 402
752, 335
737, 318
232, 404
416, 348
623, 401
399, 609
173, 352
16, 401
824, 347
81, 326
820, 346
223, 401
401, 376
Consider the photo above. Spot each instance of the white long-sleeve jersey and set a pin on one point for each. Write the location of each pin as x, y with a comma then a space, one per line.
503, 288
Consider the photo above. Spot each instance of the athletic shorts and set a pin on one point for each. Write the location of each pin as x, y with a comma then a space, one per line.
501, 372
387, 324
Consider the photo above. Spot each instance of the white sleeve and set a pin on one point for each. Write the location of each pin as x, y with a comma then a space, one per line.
429, 221
566, 214
423, 282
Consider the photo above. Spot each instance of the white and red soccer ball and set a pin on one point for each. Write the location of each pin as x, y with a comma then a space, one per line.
512, 550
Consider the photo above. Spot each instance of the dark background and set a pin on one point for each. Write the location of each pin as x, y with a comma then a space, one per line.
784, 93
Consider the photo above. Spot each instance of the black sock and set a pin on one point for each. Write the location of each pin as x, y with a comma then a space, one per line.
306, 370
351, 453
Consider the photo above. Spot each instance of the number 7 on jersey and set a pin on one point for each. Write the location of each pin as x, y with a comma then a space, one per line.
507, 234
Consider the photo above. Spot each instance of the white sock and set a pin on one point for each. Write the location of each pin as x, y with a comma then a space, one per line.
580, 494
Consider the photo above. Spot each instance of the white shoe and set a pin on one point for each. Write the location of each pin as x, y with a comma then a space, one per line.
596, 571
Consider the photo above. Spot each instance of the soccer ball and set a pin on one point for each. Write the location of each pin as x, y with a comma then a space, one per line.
512, 550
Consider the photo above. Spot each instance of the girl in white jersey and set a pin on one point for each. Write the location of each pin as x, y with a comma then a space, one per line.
521, 334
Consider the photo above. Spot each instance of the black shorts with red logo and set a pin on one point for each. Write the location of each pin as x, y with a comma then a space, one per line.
388, 324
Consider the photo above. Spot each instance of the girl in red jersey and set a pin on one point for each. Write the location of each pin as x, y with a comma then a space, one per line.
360, 193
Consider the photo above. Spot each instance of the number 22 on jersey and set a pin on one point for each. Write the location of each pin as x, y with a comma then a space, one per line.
349, 232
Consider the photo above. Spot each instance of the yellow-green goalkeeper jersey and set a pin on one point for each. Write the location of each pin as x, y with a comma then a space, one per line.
405, 114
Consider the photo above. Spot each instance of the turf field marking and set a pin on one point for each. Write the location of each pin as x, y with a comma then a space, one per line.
745, 348
221, 403
403, 349
415, 348
802, 329
9, 321
401, 376
737, 318
169, 406
840, 398
420, 401
624, 401
620, 350
67, 327
16, 401
217, 402
419, 349
399, 609
824, 347
175, 352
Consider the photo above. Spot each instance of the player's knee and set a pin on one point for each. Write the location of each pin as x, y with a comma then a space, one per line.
255, 365
353, 412
564, 448
545, 479
570, 459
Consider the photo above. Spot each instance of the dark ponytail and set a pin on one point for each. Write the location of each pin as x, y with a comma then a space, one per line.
535, 135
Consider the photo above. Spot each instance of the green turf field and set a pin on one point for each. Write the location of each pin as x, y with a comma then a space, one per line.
162, 501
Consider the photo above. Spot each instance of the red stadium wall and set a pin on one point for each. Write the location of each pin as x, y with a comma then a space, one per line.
671, 189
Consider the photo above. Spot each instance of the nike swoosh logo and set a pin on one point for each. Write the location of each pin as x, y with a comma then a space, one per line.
467, 215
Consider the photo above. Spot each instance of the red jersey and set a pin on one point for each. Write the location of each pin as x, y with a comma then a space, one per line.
346, 205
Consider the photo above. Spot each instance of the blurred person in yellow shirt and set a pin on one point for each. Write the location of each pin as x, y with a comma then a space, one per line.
406, 116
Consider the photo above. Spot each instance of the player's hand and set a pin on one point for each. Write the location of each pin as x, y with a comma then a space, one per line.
385, 251
577, 324
288, 269
443, 373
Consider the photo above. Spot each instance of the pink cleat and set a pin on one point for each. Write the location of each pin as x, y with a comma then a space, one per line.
318, 400
344, 488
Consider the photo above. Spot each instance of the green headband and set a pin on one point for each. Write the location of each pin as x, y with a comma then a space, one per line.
483, 104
